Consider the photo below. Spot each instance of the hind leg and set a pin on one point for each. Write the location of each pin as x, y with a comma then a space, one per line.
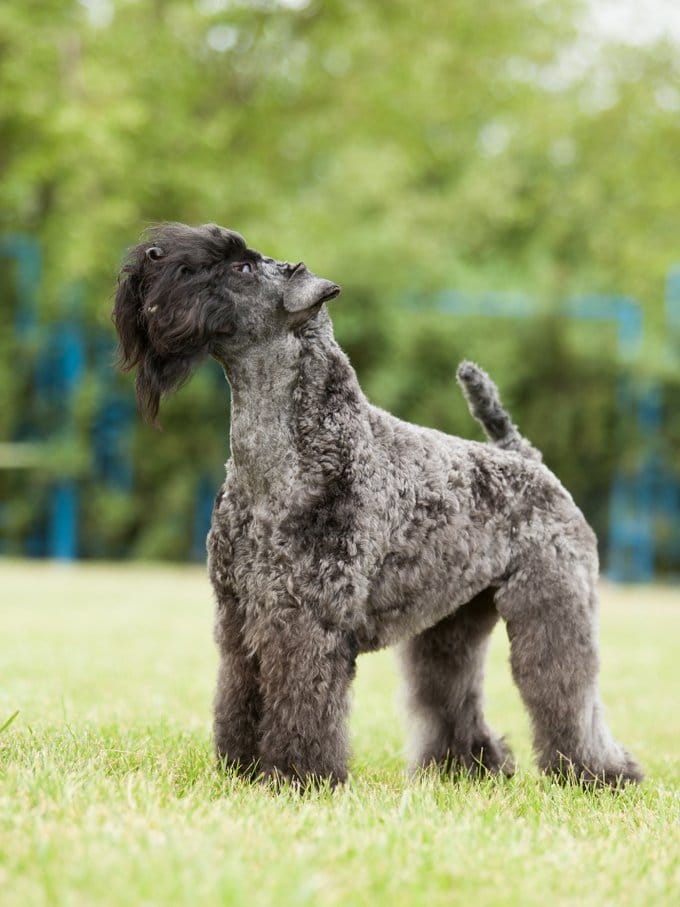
550, 607
444, 673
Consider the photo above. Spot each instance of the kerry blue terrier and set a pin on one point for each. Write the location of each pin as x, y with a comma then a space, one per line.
341, 529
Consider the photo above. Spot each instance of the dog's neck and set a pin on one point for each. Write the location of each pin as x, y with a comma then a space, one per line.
274, 441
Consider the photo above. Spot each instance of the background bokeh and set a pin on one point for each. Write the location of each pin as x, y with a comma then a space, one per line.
502, 150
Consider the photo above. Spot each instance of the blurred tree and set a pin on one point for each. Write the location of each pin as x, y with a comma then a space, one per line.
394, 146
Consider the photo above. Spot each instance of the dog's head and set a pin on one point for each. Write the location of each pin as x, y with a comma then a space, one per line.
185, 293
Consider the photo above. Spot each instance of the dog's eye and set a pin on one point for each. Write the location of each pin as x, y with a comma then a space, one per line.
243, 267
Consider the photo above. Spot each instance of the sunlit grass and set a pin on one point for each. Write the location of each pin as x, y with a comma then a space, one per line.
109, 793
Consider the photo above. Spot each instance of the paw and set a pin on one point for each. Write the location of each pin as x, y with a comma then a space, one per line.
615, 775
245, 766
300, 781
487, 756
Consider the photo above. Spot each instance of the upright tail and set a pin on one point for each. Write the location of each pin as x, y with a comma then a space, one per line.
485, 405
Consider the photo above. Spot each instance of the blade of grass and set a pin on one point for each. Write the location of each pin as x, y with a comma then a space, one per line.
9, 721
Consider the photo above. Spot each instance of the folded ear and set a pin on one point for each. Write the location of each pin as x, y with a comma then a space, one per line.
157, 374
305, 290
127, 309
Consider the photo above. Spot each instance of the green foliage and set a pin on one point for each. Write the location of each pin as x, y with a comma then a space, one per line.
396, 147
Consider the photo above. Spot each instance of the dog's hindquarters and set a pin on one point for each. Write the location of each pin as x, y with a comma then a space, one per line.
550, 608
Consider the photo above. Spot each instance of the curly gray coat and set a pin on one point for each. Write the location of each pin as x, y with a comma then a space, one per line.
341, 529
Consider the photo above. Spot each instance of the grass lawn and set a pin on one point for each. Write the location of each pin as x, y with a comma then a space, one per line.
109, 794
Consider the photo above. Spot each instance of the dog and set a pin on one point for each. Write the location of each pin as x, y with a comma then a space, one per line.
341, 529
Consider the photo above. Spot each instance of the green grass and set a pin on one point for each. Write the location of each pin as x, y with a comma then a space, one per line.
109, 794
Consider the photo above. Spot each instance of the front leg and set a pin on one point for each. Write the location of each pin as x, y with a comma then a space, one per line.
238, 703
305, 673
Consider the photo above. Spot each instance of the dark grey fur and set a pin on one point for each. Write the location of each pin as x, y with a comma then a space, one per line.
341, 529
